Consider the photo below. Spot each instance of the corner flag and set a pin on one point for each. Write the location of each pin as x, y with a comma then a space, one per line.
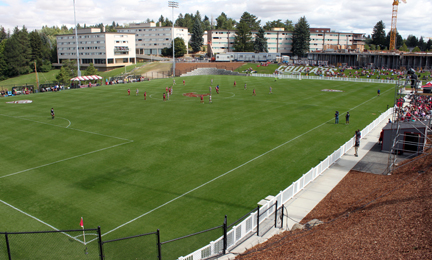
82, 223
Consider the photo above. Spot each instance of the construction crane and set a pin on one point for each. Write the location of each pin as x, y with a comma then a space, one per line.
393, 24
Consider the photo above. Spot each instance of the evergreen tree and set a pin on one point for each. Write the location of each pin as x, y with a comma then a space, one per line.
18, 53
274, 24
399, 40
3, 34
260, 44
243, 38
36, 49
404, 48
91, 70
416, 49
301, 37
206, 24
251, 20
221, 20
378, 34
197, 36
412, 41
422, 44
429, 45
3, 65
289, 27
225, 23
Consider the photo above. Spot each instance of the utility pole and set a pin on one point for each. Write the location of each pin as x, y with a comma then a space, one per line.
173, 4
76, 41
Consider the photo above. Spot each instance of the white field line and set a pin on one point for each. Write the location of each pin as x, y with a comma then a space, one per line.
84, 131
220, 176
35, 218
70, 158
67, 120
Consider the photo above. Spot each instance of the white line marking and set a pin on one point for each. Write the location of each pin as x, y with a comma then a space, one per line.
67, 120
35, 218
70, 158
68, 128
222, 175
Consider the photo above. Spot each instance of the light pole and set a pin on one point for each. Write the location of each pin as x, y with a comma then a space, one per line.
173, 4
76, 40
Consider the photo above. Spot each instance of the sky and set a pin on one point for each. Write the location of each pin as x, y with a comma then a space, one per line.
414, 17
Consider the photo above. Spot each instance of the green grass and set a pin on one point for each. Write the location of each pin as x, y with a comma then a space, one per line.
48, 77
110, 157
270, 69
29, 79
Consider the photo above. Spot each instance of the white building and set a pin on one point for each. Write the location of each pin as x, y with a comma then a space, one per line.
103, 49
150, 39
280, 41
324, 39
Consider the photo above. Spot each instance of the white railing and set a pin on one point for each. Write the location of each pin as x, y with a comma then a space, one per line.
249, 224
297, 76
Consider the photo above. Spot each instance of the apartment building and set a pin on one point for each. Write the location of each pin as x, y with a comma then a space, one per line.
324, 39
103, 49
150, 39
280, 41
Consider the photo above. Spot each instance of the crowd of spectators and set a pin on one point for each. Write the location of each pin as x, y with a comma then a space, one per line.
419, 108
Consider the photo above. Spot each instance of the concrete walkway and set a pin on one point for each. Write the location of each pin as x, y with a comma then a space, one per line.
303, 203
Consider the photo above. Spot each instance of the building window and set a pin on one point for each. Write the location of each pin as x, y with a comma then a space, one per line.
110, 61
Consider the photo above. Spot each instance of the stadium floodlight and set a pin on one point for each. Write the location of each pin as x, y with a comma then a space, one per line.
173, 5
76, 40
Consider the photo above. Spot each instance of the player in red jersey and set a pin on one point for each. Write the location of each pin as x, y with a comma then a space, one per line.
128, 91
235, 83
254, 93
164, 96
145, 95
202, 99
184, 82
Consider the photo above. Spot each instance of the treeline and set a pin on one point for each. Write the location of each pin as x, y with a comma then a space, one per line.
379, 40
21, 51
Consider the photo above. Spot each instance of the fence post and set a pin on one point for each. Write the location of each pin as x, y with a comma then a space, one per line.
7, 246
225, 242
159, 245
258, 215
276, 214
100, 243
282, 215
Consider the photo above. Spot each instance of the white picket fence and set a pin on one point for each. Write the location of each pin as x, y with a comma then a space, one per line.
248, 225
297, 76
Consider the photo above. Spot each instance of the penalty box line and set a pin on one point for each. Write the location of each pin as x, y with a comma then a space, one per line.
35, 218
222, 175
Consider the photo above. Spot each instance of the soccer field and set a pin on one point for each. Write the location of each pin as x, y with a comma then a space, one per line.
133, 166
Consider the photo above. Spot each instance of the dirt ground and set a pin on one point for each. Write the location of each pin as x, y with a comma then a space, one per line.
366, 216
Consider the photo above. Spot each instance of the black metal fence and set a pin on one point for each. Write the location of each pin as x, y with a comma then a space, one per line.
65, 244
70, 244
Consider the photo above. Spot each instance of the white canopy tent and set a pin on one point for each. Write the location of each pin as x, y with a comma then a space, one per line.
83, 78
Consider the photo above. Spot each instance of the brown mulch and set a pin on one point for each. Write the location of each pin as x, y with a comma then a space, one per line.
366, 216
